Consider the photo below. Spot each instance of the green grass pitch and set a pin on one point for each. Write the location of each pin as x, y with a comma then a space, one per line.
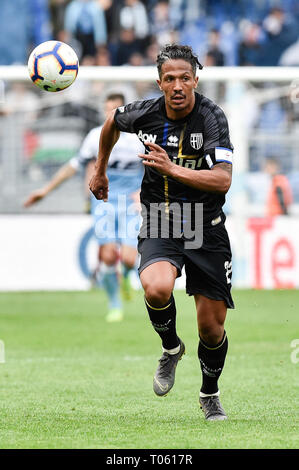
70, 380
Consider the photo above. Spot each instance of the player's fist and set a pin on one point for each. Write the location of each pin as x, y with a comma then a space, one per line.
34, 197
99, 186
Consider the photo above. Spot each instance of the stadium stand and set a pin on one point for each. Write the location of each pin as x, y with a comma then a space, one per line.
256, 32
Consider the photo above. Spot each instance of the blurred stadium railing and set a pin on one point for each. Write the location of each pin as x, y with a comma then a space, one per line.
39, 131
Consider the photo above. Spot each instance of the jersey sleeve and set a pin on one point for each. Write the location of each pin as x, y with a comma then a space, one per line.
126, 116
88, 150
217, 145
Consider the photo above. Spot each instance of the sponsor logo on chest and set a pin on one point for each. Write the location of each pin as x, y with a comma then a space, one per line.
144, 137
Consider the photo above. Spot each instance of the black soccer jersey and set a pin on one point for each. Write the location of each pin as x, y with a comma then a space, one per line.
198, 141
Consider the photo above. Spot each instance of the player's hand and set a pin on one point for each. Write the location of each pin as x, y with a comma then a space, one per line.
34, 197
157, 158
98, 185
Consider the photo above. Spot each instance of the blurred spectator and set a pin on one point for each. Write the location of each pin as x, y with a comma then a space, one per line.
290, 56
57, 8
41, 29
273, 117
20, 98
209, 60
88, 60
151, 52
85, 21
229, 42
103, 56
23, 25
136, 59
280, 193
195, 34
243, 32
220, 11
182, 13
160, 23
112, 13
125, 47
133, 16
281, 32
214, 55
251, 43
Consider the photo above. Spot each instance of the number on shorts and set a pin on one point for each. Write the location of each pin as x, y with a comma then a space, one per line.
228, 271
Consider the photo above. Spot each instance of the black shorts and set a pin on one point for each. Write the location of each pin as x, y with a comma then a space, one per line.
208, 269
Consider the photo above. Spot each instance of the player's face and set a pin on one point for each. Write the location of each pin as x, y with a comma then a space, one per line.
178, 84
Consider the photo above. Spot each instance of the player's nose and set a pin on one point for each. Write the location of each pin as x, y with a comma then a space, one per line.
177, 85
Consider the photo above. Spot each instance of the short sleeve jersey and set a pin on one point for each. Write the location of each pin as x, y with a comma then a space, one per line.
199, 141
124, 155
125, 170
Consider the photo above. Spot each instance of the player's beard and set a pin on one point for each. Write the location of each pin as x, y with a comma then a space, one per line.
180, 97
182, 104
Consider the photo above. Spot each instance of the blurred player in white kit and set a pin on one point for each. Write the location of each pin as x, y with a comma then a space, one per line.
116, 242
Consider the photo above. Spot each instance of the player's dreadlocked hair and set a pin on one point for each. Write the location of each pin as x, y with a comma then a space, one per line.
175, 51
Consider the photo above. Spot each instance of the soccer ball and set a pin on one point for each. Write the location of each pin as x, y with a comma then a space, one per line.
53, 66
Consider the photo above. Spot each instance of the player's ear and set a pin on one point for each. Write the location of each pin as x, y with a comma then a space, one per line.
195, 82
159, 84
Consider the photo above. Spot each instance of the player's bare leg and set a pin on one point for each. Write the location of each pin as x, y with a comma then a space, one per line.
212, 351
109, 255
158, 282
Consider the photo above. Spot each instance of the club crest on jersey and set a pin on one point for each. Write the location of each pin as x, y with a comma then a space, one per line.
196, 140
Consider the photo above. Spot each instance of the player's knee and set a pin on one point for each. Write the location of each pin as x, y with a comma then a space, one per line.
158, 292
211, 333
129, 261
108, 255
128, 256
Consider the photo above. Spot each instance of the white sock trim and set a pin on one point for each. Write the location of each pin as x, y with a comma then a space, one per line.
172, 351
205, 395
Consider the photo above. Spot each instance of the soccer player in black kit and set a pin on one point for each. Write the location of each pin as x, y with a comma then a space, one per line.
188, 161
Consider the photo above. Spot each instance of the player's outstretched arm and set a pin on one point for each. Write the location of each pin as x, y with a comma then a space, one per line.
109, 136
218, 179
64, 173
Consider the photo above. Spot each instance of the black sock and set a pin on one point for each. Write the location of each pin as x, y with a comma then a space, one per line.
164, 322
211, 362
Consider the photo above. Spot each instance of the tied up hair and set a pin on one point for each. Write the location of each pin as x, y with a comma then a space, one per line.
174, 52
